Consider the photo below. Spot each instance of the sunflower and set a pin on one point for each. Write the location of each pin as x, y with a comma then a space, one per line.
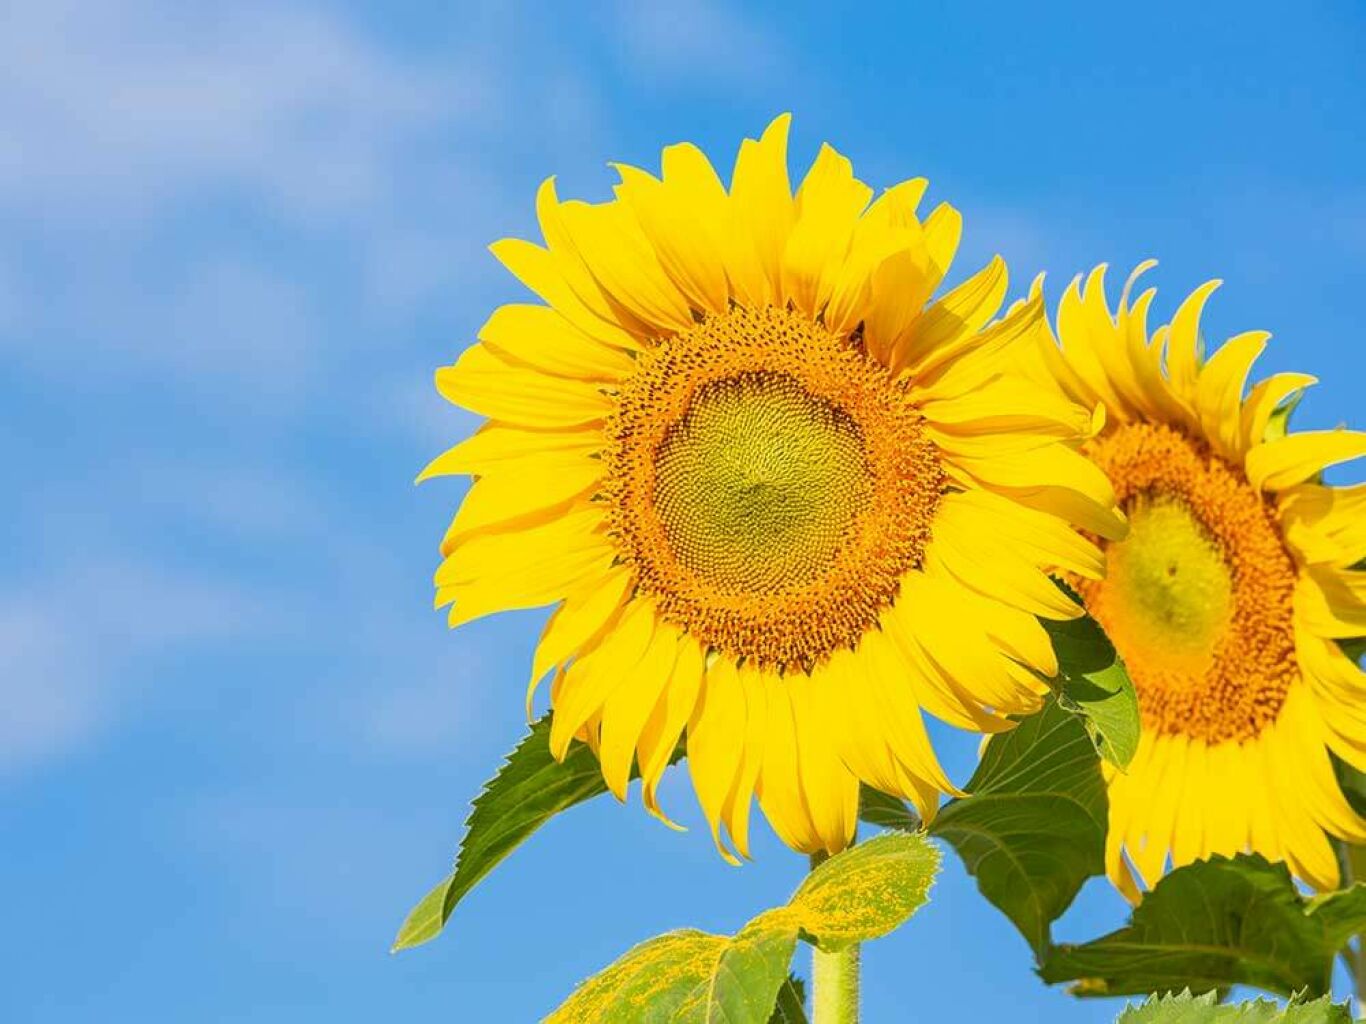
782, 501
1228, 596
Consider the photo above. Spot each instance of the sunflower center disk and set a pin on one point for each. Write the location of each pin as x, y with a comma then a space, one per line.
760, 485
1172, 578
1198, 598
770, 484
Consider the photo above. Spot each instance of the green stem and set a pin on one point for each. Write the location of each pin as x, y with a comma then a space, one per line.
834, 980
1354, 869
834, 986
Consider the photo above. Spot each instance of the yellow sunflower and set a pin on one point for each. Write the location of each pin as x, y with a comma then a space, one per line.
1228, 595
782, 501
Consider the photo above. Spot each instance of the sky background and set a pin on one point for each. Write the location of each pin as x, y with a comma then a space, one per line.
236, 744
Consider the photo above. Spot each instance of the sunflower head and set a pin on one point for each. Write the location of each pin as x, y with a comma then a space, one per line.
1228, 595
781, 498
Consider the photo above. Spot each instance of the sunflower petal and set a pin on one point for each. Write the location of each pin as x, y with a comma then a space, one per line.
1295, 458
482, 382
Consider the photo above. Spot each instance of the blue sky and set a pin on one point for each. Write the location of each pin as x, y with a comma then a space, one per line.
235, 240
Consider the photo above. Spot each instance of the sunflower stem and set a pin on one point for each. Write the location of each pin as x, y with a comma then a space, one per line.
1354, 956
834, 980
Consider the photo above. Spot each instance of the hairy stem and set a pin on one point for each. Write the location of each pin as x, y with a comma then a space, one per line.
834, 981
1353, 860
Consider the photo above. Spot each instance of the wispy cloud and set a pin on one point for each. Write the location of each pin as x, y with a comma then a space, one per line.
65, 639
704, 41
271, 217
113, 110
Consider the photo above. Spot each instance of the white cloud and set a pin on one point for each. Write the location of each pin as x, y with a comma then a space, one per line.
114, 109
255, 208
72, 643
241, 199
703, 41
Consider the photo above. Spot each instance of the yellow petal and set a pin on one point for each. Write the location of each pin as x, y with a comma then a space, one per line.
482, 382
992, 565
570, 265
1325, 524
1227, 812
831, 790
1007, 405
762, 213
1166, 794
829, 203
885, 278
1054, 479
1263, 831
628, 706
846, 703
892, 715
1184, 350
1020, 634
898, 289
544, 274
779, 787
943, 231
528, 568
959, 315
684, 217
897, 205
619, 256
525, 493
1303, 842
1219, 391
714, 748
1117, 867
497, 445
577, 623
1188, 830
934, 368
665, 724
735, 808
1263, 401
936, 616
544, 339
1295, 458
1331, 602
1048, 541
1321, 794
593, 676
935, 689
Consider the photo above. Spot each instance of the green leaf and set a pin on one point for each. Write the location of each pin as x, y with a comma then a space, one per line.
530, 788
1188, 1009
691, 977
1213, 924
749, 973
1033, 829
885, 811
1093, 683
1341, 914
867, 890
791, 1005
650, 984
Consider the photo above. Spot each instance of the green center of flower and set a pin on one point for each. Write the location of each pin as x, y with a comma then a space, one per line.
1199, 598
758, 487
1172, 578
